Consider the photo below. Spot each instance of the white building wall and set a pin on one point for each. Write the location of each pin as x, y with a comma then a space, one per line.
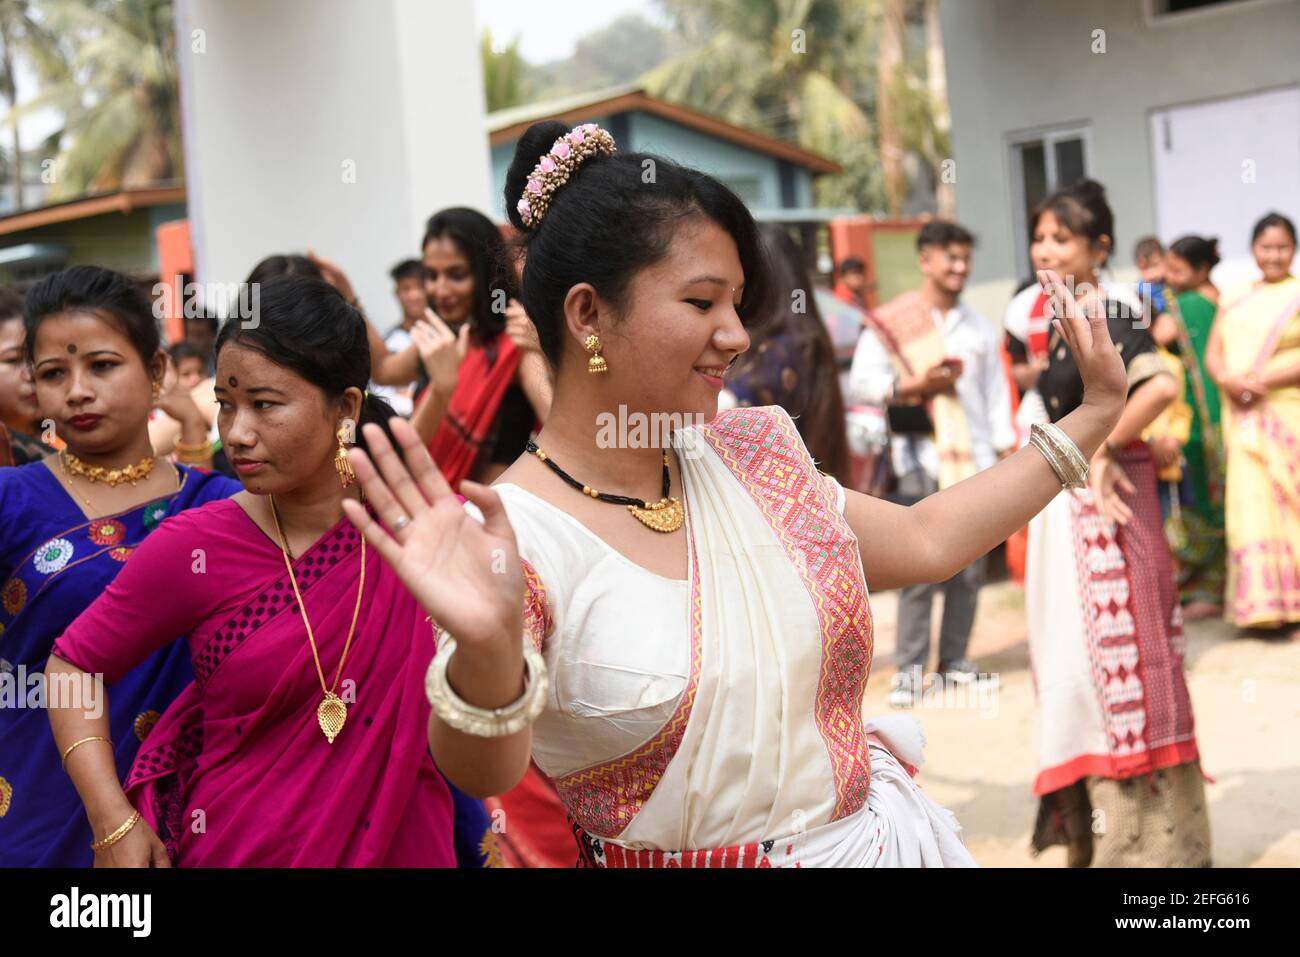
1021, 65
331, 124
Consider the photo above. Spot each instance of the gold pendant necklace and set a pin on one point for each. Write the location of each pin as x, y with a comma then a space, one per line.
665, 515
332, 712
65, 455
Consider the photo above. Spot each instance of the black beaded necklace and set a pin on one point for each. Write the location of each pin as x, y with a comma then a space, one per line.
665, 515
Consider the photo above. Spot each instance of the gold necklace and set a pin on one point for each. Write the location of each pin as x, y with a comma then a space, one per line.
665, 515
97, 473
332, 712
67, 475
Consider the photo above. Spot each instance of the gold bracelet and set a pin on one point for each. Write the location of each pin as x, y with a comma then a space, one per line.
76, 744
117, 835
1062, 454
193, 446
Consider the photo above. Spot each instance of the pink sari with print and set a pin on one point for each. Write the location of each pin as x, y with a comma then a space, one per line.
237, 772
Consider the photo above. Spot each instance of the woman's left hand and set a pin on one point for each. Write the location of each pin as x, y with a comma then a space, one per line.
520, 328
1106, 480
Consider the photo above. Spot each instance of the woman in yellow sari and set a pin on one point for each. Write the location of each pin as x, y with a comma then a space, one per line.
1254, 356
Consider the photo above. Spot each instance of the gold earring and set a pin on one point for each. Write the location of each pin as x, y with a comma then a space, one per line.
341, 463
597, 362
156, 388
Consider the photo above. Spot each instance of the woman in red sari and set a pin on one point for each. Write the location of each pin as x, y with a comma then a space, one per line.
301, 740
503, 388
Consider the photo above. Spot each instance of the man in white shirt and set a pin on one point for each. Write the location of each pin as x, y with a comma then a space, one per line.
970, 371
408, 287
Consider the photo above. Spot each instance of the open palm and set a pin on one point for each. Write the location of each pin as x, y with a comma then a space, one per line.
465, 573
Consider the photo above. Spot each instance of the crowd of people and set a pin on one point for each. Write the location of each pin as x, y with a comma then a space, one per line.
301, 592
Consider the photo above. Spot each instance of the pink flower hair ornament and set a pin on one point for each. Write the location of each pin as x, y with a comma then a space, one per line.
554, 169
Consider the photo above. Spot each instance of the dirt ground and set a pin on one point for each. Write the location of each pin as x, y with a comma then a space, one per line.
980, 753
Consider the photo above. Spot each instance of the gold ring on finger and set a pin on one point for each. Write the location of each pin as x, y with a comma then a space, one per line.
401, 523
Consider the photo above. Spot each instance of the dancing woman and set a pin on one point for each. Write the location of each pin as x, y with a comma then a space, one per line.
700, 614
71, 521
301, 741
1116, 737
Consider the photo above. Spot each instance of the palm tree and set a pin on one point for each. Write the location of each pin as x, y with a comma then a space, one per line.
23, 38
505, 74
793, 68
119, 99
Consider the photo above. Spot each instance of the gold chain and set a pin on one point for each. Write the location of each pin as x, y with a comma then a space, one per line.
79, 467
332, 712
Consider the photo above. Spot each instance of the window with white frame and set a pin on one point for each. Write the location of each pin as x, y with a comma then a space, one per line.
1041, 162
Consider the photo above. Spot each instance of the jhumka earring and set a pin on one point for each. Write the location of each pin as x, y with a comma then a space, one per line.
341, 463
597, 362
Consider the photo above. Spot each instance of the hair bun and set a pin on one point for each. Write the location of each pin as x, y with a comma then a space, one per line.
1089, 189
532, 146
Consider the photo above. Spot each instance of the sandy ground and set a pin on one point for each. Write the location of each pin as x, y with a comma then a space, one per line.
980, 756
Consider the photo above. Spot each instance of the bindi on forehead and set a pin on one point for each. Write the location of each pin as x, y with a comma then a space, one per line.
234, 383
72, 348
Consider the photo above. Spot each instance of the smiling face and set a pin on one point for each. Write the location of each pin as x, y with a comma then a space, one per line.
1069, 253
1274, 250
91, 381
670, 346
450, 280
1182, 275
278, 429
946, 267
18, 408
411, 297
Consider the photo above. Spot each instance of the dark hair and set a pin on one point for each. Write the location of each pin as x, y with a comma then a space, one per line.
286, 264
852, 264
187, 350
207, 317
1197, 250
1270, 220
92, 289
305, 325
478, 238
1082, 209
610, 221
408, 269
942, 233
816, 403
1146, 247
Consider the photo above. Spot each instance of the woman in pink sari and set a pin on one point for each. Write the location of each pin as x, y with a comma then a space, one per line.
250, 766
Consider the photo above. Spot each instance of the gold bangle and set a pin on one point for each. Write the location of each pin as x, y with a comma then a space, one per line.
76, 744
193, 446
117, 835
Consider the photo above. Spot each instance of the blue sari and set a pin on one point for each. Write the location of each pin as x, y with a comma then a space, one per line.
53, 564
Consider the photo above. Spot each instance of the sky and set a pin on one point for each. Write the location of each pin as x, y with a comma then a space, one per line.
549, 29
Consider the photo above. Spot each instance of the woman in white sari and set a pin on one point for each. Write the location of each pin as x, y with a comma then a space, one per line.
704, 672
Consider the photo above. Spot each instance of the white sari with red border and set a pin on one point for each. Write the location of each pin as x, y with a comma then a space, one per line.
717, 721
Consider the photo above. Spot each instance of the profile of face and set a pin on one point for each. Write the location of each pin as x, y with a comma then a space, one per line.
18, 408
278, 429
190, 372
1055, 246
1274, 250
1182, 275
1154, 268
947, 267
411, 297
450, 281
91, 381
669, 347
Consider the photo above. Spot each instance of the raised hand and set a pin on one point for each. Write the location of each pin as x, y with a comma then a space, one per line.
1105, 383
520, 328
334, 275
465, 574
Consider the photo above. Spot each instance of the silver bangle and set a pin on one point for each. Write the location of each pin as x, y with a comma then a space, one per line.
459, 714
1061, 453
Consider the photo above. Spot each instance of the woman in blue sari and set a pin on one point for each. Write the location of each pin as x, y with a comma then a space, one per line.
70, 520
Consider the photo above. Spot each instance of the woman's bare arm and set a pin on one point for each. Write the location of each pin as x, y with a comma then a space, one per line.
94, 773
943, 533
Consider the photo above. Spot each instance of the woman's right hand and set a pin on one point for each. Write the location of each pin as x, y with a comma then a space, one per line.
1085, 331
465, 573
138, 847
